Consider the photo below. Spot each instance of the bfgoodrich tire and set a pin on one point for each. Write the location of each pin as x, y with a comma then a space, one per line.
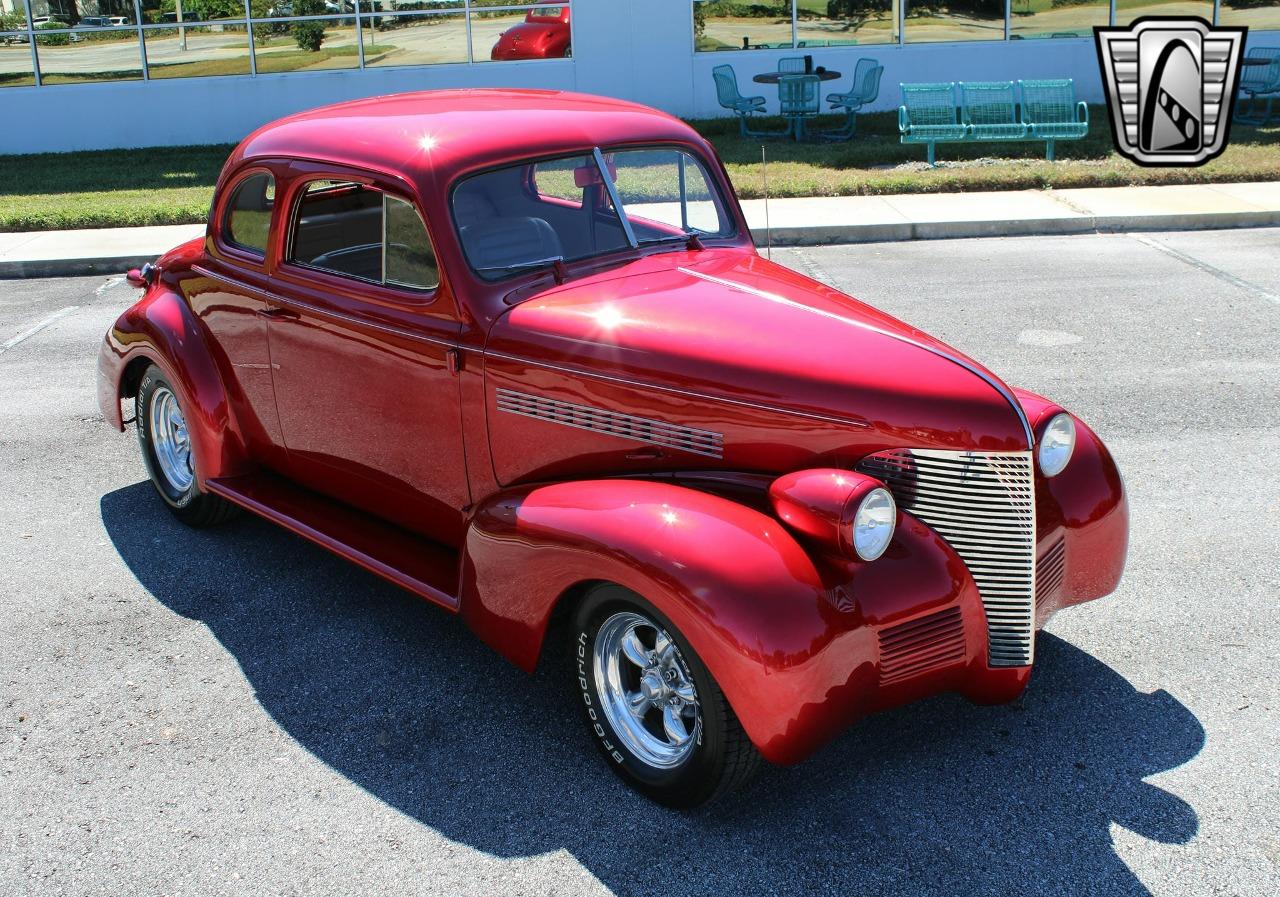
166, 450
653, 710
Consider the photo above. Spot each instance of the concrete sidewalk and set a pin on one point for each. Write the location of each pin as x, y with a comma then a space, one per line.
794, 222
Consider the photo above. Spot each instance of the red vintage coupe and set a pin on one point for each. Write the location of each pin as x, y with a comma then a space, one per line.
516, 352
544, 34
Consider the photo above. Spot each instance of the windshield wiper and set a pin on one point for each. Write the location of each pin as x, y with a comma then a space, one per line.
555, 262
689, 238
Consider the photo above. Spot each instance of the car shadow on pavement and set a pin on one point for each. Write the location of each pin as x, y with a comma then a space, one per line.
942, 797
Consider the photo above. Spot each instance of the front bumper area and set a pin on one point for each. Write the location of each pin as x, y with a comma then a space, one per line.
913, 623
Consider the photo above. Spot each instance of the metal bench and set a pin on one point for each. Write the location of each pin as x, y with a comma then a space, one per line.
1051, 113
1258, 81
928, 115
989, 111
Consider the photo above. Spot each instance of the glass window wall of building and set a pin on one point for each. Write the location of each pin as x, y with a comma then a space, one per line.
721, 25
75, 41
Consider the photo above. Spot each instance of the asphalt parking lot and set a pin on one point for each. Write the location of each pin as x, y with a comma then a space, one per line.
234, 711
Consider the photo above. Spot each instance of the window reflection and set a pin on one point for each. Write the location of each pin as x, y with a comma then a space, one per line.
197, 52
89, 55
1128, 10
415, 39
1257, 14
531, 31
837, 23
1057, 18
15, 61
744, 26
954, 20
306, 46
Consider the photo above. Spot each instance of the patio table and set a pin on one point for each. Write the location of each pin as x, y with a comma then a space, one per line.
775, 77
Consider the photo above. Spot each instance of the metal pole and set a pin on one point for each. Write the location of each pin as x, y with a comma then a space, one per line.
253, 50
902, 19
31, 42
470, 55
795, 31
142, 39
360, 33
182, 32
1008, 17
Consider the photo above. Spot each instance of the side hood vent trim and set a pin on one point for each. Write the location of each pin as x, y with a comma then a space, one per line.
625, 426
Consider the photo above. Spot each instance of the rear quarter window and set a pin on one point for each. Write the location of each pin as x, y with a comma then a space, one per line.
248, 221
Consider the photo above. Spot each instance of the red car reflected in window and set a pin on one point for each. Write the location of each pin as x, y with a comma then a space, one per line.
544, 34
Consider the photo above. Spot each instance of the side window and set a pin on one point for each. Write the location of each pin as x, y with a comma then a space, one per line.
356, 230
410, 262
249, 213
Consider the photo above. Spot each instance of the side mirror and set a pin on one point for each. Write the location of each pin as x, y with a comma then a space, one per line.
586, 176
143, 277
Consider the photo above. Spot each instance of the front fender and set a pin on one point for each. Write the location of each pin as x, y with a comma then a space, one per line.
1082, 513
791, 639
161, 329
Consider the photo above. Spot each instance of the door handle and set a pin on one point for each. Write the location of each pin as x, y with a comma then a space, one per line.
278, 313
645, 454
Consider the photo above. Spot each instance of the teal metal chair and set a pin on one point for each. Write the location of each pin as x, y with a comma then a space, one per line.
990, 111
1257, 82
1050, 112
864, 91
791, 65
800, 99
731, 98
928, 115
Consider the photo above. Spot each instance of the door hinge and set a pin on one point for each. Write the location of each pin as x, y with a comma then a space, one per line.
453, 360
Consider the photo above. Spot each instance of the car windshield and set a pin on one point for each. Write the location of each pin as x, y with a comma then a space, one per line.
542, 212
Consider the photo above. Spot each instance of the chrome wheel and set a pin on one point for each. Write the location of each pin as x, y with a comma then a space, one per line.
170, 440
645, 690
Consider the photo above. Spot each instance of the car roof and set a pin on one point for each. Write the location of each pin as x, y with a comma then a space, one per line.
444, 132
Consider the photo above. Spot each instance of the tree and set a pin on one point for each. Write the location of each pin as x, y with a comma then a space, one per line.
309, 35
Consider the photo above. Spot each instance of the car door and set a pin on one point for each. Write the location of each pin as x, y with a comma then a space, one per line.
230, 296
364, 355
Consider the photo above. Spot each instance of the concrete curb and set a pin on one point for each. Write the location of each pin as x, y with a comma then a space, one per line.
106, 265
817, 235
1026, 227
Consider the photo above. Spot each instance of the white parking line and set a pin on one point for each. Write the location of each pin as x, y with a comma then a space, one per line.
1207, 268
108, 284
32, 331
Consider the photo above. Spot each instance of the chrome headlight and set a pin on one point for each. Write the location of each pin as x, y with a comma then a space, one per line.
873, 524
1057, 444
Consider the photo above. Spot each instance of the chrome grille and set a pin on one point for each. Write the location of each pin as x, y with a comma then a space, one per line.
983, 504
625, 426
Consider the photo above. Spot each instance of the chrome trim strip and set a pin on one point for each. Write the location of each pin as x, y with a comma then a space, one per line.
612, 423
782, 300
997, 547
641, 384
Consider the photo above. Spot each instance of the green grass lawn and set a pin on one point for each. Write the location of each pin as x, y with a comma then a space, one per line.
173, 185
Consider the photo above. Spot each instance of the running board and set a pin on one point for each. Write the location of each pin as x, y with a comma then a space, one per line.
420, 565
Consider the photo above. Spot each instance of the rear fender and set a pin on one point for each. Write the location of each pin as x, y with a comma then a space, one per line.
733, 581
161, 329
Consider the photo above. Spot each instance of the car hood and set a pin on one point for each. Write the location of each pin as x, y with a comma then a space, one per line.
729, 325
